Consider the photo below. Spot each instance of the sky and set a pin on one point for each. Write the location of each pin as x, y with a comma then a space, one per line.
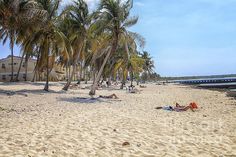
184, 37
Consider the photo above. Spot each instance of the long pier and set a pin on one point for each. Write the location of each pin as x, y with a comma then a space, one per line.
207, 81
229, 82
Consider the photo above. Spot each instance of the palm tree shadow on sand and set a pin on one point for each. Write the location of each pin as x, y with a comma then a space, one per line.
82, 100
31, 83
24, 92
86, 100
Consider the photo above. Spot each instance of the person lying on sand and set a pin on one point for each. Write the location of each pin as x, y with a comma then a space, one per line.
179, 108
141, 86
112, 96
73, 86
116, 84
191, 106
134, 90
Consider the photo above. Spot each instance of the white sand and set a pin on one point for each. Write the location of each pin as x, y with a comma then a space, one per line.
60, 124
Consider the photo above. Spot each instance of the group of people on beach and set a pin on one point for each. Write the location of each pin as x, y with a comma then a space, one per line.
178, 108
132, 89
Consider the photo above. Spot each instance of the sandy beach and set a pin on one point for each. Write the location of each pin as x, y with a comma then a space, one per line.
68, 123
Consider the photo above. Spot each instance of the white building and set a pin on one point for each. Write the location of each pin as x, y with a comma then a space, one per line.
5, 68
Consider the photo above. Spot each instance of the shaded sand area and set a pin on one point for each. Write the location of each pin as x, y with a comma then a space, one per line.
60, 124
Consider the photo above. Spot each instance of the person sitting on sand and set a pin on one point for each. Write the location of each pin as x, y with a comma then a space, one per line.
99, 86
179, 108
112, 96
131, 87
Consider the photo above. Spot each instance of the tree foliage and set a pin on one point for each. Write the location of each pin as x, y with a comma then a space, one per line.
97, 43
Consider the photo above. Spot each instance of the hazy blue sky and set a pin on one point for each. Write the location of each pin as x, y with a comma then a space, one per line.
185, 37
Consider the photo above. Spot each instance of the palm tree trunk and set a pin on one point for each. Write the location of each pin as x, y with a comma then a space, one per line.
47, 77
109, 81
80, 72
75, 77
46, 87
94, 75
12, 53
132, 76
70, 78
85, 76
122, 84
93, 88
73, 70
123, 81
18, 72
84, 72
33, 79
111, 51
26, 66
35, 69
67, 71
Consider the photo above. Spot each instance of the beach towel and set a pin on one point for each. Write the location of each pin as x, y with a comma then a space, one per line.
168, 108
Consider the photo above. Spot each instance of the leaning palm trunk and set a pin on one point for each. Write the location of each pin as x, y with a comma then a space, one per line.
93, 74
97, 78
34, 74
35, 69
18, 72
112, 50
73, 70
70, 78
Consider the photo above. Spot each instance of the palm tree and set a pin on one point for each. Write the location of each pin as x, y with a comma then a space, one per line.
113, 18
148, 63
123, 61
37, 55
18, 72
26, 65
14, 16
48, 39
9, 11
26, 53
78, 18
23, 35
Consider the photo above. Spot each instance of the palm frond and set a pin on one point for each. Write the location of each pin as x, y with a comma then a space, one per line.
130, 21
